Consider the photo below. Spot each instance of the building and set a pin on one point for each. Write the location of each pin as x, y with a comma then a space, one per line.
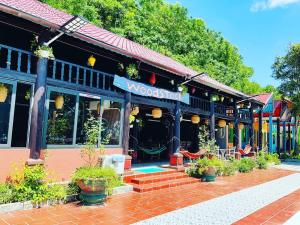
46, 102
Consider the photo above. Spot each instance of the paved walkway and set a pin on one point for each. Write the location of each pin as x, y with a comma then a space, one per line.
232, 207
135, 207
293, 166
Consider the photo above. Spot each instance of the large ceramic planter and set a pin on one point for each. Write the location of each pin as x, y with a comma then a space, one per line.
209, 174
93, 191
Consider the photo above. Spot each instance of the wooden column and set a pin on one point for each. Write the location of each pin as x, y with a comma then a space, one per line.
38, 110
126, 125
251, 126
260, 119
289, 137
212, 118
284, 137
270, 133
177, 114
236, 139
278, 136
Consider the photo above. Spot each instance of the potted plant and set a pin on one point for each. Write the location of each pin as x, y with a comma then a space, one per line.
206, 143
95, 181
208, 169
3, 92
132, 71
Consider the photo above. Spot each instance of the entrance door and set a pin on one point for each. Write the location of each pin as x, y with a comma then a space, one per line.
7, 101
21, 115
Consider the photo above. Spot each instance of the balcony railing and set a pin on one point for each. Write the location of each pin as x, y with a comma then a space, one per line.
224, 110
17, 60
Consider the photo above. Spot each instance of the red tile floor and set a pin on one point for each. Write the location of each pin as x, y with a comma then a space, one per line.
129, 208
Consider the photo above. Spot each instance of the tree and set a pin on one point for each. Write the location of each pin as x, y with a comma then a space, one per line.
287, 70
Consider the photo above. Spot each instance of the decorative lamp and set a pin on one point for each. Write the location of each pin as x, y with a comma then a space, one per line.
91, 61
193, 90
230, 125
222, 98
195, 119
255, 125
214, 98
156, 113
222, 123
241, 126
152, 79
59, 102
3, 93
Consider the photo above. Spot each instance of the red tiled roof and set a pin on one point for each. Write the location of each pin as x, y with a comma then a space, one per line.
43, 12
263, 98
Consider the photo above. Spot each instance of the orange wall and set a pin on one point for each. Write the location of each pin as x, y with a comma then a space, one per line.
61, 163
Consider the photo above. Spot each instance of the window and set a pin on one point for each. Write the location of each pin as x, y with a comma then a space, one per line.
111, 122
5, 108
61, 117
87, 107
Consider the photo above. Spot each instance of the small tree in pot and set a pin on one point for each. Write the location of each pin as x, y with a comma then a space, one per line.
95, 182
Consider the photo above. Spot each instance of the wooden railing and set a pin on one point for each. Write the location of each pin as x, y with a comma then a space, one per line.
17, 60
79, 75
199, 103
224, 110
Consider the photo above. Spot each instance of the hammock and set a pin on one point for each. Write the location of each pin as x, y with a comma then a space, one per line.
152, 151
192, 156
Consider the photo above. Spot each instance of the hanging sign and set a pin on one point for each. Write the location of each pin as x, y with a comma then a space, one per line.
149, 91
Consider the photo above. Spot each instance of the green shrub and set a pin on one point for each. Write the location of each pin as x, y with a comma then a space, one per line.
72, 188
107, 173
6, 194
261, 163
56, 192
198, 167
229, 168
246, 165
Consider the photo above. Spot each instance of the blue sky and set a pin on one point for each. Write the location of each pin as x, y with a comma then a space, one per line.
261, 29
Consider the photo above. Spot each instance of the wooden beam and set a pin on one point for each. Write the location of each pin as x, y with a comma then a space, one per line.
260, 118
177, 114
212, 117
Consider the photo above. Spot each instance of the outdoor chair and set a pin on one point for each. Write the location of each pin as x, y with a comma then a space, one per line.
246, 152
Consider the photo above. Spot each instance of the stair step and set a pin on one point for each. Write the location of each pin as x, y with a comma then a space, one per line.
128, 178
158, 178
164, 184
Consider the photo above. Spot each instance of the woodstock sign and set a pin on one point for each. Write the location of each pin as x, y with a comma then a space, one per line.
149, 91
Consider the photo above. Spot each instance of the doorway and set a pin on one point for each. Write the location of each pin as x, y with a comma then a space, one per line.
21, 115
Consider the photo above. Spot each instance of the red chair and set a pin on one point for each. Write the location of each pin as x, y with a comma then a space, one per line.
192, 156
245, 151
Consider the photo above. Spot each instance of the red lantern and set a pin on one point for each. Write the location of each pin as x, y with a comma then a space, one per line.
193, 90
152, 79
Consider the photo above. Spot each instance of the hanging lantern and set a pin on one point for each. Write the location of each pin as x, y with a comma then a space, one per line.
222, 98
195, 119
152, 79
59, 102
3, 93
222, 123
193, 90
230, 125
206, 121
265, 127
135, 111
91, 61
98, 108
255, 125
241, 126
156, 113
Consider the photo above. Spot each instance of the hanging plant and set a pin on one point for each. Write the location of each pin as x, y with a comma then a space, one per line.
3, 93
121, 67
27, 95
131, 118
44, 51
183, 89
132, 71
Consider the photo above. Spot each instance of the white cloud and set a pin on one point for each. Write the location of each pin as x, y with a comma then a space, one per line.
271, 4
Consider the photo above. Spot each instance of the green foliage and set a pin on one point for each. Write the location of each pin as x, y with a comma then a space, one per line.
30, 184
38, 51
201, 165
168, 29
72, 188
246, 165
132, 71
261, 162
7, 194
229, 168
